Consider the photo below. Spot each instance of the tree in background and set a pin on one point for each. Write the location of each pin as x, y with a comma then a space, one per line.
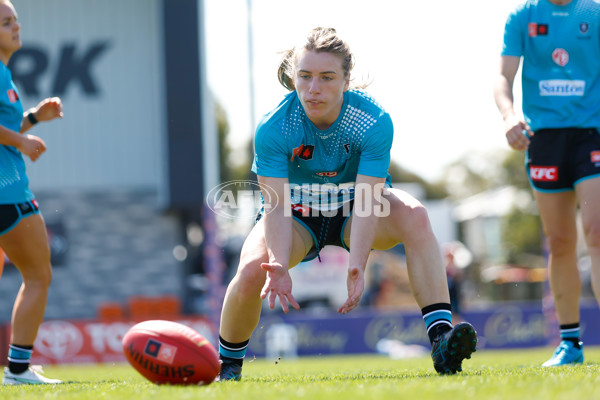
433, 191
474, 173
479, 172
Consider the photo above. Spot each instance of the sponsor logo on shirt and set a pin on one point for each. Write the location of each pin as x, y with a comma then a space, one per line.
13, 97
546, 174
562, 87
595, 156
536, 29
329, 174
305, 152
560, 57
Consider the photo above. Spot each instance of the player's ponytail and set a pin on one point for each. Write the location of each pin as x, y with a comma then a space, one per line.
285, 73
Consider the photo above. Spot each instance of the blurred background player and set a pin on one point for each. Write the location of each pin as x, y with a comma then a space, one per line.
22, 229
323, 132
559, 41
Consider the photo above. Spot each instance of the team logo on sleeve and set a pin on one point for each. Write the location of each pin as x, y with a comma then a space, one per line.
13, 97
305, 152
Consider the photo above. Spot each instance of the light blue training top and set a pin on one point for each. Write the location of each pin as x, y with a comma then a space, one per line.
560, 46
14, 184
322, 165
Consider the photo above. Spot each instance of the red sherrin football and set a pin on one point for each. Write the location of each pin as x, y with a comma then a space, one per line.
167, 352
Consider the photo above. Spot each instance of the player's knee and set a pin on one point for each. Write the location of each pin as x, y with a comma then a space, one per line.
40, 277
250, 277
561, 244
417, 222
592, 234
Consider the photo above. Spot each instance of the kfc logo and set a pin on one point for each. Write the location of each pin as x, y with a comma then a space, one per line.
595, 156
546, 174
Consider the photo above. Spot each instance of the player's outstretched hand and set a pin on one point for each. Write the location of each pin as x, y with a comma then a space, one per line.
356, 286
278, 284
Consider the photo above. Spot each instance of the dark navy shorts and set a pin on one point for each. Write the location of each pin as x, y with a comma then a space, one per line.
326, 228
11, 214
558, 159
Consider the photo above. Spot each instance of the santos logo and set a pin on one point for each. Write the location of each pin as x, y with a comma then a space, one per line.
562, 87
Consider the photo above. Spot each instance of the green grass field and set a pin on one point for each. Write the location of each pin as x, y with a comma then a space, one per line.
501, 375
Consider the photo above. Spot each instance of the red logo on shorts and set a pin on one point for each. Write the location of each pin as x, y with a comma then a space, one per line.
595, 155
304, 210
547, 174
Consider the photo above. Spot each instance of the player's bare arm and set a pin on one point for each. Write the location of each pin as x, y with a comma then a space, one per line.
503, 94
367, 203
278, 237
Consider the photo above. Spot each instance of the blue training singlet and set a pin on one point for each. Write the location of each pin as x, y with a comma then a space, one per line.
560, 46
322, 165
14, 184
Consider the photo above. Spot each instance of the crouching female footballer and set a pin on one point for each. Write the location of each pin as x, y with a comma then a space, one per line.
323, 155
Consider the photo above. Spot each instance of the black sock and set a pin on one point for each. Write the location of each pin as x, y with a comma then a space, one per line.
570, 333
575, 341
438, 319
227, 349
18, 357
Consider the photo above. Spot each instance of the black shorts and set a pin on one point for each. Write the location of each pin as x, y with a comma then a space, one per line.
11, 214
558, 159
326, 228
